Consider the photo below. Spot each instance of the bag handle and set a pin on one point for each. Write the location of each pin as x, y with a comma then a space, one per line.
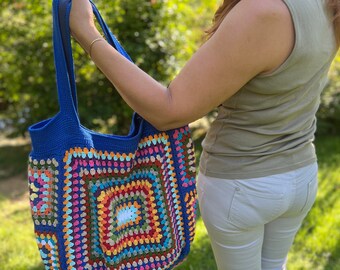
63, 57
109, 36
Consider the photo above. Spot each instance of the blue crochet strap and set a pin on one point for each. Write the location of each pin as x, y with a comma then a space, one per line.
67, 100
109, 36
67, 91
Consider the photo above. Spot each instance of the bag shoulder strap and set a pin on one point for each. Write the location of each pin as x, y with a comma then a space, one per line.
63, 58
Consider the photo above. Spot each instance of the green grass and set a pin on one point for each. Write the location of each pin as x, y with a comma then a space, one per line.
317, 244
18, 249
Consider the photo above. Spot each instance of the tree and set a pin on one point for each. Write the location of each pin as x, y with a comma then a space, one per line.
329, 111
160, 36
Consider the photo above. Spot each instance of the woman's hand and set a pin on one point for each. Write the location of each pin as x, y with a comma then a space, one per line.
82, 24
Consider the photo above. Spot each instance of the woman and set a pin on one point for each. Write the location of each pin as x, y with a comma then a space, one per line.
264, 66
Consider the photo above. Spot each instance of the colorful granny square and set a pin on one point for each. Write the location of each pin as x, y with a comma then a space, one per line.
129, 218
185, 156
120, 207
48, 248
42, 183
191, 206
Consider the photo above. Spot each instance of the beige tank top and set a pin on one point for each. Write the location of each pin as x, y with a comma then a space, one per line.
268, 126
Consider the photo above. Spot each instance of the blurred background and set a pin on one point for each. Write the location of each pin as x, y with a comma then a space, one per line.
160, 36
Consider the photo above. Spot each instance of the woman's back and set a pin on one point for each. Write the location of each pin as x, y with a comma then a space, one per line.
268, 126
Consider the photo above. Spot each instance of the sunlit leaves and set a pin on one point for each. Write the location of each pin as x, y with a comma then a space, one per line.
160, 35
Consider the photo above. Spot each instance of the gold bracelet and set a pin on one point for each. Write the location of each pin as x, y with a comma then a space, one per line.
93, 42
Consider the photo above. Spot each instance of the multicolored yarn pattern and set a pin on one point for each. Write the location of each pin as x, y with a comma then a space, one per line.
185, 156
48, 248
43, 187
118, 210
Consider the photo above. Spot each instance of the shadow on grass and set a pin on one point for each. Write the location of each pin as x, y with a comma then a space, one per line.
334, 260
328, 153
13, 160
13, 166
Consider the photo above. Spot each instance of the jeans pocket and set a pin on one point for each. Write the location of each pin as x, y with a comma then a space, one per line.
249, 209
311, 192
232, 202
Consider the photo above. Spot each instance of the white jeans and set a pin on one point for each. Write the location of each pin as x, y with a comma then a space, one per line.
252, 223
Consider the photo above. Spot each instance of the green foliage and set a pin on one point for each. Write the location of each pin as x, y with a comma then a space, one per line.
329, 111
160, 35
26, 69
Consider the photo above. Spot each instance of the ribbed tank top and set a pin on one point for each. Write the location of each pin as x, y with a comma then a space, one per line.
268, 126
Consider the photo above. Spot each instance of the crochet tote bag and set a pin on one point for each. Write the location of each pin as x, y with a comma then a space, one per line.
104, 201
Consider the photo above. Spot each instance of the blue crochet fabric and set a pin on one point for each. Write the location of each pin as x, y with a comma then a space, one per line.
104, 201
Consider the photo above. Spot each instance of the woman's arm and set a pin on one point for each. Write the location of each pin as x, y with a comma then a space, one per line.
255, 37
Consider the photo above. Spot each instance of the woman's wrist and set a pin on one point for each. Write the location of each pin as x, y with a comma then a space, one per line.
86, 38
98, 39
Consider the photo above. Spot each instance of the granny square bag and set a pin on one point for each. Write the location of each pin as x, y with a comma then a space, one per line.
103, 201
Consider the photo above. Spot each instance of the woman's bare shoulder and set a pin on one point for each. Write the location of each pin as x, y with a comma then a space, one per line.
266, 10
268, 26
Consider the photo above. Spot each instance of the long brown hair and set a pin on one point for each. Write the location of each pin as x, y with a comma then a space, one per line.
220, 14
227, 5
334, 5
